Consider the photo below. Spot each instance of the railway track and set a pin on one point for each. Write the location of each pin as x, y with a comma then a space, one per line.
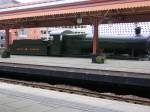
77, 91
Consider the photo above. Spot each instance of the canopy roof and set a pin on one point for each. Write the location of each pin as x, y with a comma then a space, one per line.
114, 10
36, 5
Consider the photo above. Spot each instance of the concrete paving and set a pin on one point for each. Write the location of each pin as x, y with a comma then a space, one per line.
17, 98
113, 65
113, 71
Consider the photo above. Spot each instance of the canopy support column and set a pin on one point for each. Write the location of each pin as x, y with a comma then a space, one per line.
95, 39
7, 38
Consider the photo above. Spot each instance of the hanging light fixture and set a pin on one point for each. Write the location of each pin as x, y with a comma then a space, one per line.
22, 29
110, 23
79, 19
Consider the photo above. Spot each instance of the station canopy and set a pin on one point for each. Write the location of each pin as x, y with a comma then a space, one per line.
59, 13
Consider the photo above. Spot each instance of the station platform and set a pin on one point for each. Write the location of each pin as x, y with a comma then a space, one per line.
17, 98
113, 71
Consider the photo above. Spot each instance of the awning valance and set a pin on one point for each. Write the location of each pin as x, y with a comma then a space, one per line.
86, 8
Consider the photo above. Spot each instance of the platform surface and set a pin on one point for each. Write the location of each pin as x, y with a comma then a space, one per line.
16, 98
85, 63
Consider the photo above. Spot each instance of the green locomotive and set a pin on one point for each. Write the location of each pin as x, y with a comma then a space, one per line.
78, 45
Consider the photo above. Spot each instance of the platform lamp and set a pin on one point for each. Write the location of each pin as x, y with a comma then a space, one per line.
79, 19
109, 21
137, 29
22, 30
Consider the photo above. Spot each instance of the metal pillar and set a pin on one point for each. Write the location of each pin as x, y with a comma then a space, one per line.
7, 38
95, 37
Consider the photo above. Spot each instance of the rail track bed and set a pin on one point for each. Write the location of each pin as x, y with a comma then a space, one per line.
80, 91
